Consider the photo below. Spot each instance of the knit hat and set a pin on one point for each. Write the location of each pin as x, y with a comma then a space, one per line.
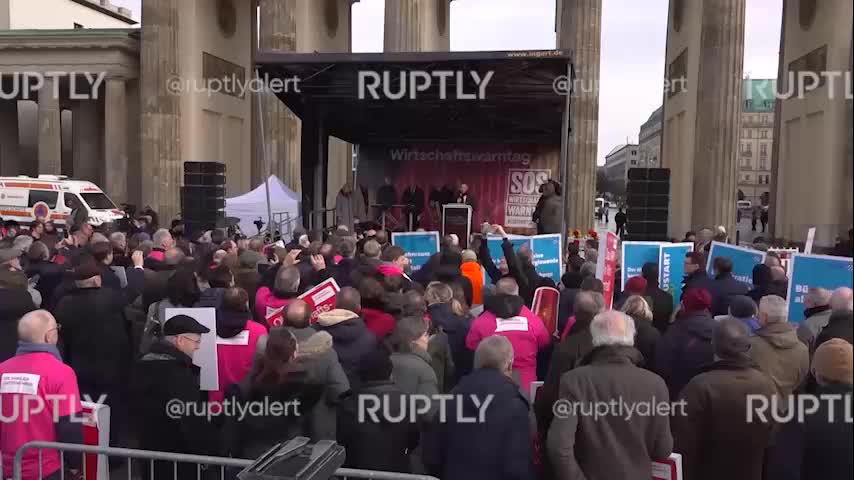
832, 362
636, 285
696, 299
742, 306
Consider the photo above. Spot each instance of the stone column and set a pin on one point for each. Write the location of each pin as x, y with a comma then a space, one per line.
580, 31
281, 126
719, 93
115, 140
9, 150
49, 135
417, 26
161, 153
86, 161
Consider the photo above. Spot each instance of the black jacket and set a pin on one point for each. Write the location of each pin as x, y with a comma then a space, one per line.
723, 288
377, 443
456, 328
841, 325
162, 376
386, 195
568, 355
415, 198
503, 443
14, 303
254, 434
96, 336
351, 339
646, 342
828, 445
50, 276
662, 306
684, 350
698, 279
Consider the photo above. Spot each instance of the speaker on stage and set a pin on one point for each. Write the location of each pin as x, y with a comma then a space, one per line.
203, 196
648, 203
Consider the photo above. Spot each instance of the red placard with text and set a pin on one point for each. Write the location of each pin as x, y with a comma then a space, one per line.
545, 306
607, 265
668, 468
321, 298
96, 431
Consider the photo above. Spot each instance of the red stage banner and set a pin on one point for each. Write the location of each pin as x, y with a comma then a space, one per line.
321, 298
545, 306
607, 264
503, 180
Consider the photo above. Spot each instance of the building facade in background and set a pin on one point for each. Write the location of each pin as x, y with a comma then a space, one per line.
756, 141
621, 158
649, 141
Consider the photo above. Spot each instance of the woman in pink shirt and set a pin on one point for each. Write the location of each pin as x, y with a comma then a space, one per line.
236, 336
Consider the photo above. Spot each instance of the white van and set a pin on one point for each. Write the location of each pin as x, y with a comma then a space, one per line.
23, 199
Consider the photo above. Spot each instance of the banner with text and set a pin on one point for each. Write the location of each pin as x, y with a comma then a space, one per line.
503, 180
743, 260
818, 271
419, 246
671, 268
606, 265
321, 298
545, 248
635, 255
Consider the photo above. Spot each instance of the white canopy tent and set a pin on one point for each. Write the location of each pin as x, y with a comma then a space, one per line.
252, 206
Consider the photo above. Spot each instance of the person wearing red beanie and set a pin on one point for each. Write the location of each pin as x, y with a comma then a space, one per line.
687, 345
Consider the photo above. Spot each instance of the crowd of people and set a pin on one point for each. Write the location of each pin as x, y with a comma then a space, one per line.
87, 315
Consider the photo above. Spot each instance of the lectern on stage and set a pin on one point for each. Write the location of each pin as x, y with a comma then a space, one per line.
456, 219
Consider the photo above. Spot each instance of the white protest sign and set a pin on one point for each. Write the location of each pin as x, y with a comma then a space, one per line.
205, 357
810, 241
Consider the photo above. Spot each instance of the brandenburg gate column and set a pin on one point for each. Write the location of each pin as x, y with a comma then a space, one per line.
702, 106
417, 26
579, 29
49, 131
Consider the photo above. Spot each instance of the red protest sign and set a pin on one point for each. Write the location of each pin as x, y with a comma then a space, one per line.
545, 306
607, 266
321, 298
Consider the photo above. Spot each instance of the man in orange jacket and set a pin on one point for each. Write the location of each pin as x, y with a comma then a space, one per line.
471, 269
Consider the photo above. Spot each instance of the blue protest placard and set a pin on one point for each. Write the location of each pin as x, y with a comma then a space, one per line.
634, 255
547, 257
546, 250
493, 244
743, 260
419, 246
817, 271
671, 268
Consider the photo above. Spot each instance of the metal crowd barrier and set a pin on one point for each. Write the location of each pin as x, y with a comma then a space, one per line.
235, 464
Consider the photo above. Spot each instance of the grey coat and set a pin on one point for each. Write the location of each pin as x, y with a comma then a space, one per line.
809, 329
582, 446
322, 367
413, 373
348, 208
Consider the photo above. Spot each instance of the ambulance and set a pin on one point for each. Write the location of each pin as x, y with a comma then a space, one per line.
50, 197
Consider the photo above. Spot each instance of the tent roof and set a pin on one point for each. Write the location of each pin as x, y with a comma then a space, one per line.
520, 103
278, 192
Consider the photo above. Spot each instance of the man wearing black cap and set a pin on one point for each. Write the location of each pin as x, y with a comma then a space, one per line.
722, 434
166, 400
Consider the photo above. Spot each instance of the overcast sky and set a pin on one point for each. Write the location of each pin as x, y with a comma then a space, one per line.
633, 43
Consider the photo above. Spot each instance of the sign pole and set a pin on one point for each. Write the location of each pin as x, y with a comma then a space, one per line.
262, 145
564, 153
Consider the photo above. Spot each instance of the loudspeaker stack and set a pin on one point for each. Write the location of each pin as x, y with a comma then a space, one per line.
203, 196
648, 202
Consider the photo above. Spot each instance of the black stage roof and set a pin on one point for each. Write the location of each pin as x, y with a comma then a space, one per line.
519, 102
